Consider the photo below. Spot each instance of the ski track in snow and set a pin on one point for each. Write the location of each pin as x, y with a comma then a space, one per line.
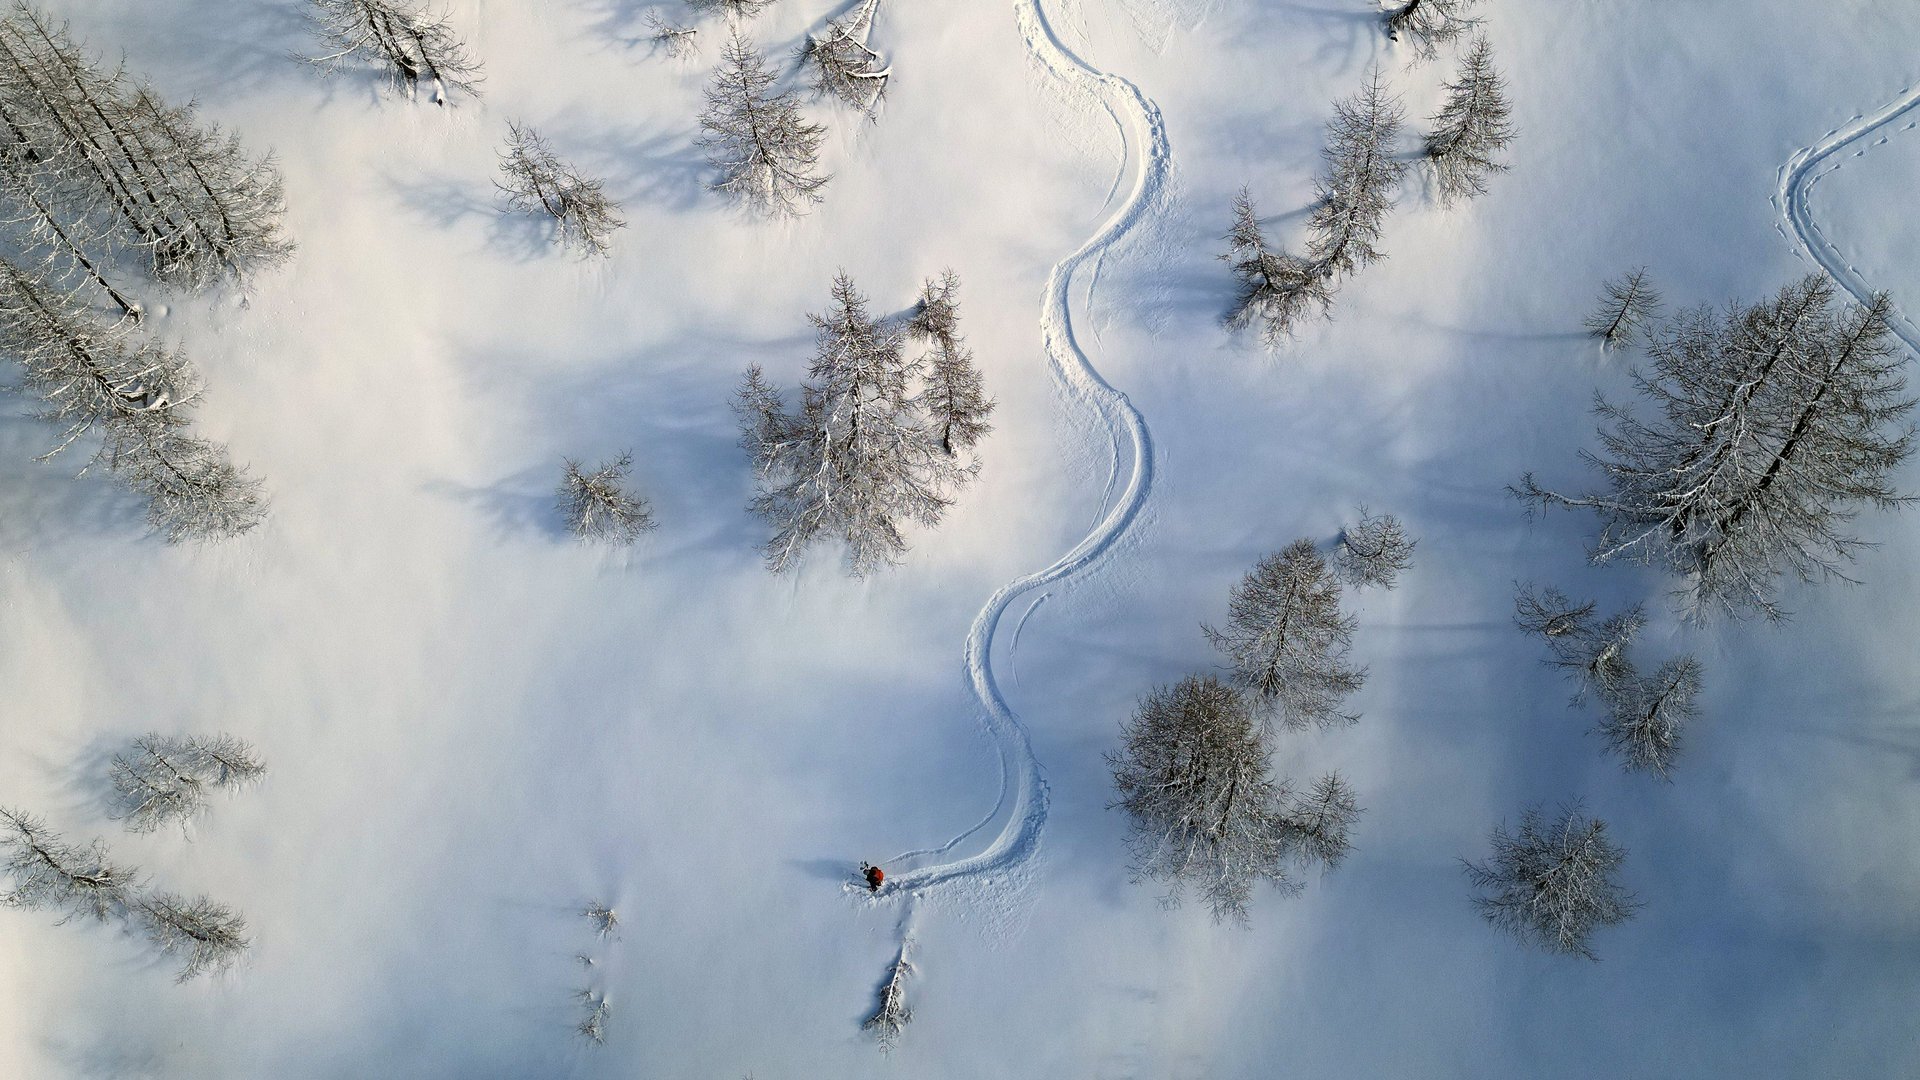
1804, 169
1022, 803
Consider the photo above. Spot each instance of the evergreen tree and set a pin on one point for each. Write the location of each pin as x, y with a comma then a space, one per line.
1471, 129
767, 154
1288, 640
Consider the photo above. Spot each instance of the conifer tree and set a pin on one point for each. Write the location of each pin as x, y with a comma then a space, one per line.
1277, 289
844, 66
47, 872
411, 43
535, 181
1428, 24
1287, 639
955, 399
1354, 190
1552, 884
767, 154
1471, 129
1626, 306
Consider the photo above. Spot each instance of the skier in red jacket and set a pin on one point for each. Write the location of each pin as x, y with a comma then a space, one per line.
874, 876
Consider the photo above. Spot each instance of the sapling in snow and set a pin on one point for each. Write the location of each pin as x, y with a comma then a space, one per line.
535, 181
1471, 129
1287, 639
411, 43
1627, 305
766, 153
596, 505
1373, 552
593, 1027
890, 1019
1552, 883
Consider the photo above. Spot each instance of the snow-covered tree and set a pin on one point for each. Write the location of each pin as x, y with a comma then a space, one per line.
1771, 426
1626, 307
1552, 883
859, 460
1471, 129
1595, 654
1428, 24
162, 778
1373, 552
192, 487
205, 934
1277, 289
767, 154
1643, 728
1287, 639
843, 65
535, 181
597, 506
675, 40
955, 399
732, 9
1354, 190
1319, 819
593, 1027
100, 162
605, 920
890, 1018
411, 43
46, 872
1204, 810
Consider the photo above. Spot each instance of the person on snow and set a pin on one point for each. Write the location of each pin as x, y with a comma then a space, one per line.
874, 876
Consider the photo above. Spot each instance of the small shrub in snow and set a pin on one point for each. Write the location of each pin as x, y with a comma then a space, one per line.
604, 919
535, 181
1374, 552
1626, 307
890, 1020
767, 154
1551, 884
411, 43
593, 1027
162, 779
596, 505
1471, 129
1288, 640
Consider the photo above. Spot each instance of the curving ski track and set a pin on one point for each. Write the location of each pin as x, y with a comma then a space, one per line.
1805, 168
1022, 803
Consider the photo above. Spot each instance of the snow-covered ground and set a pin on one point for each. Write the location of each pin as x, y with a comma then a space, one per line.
476, 726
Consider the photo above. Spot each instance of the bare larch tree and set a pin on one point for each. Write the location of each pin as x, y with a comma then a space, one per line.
605, 920
1428, 24
92, 376
535, 181
679, 42
47, 873
1373, 552
1552, 883
1644, 727
95, 161
596, 505
891, 1017
1204, 810
767, 154
844, 66
1471, 129
1595, 654
1277, 289
1354, 190
162, 778
955, 399
1626, 307
1287, 639
593, 1027
1771, 425
205, 934
732, 9
412, 44
859, 460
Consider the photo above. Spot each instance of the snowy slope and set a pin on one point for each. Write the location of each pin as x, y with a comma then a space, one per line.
476, 726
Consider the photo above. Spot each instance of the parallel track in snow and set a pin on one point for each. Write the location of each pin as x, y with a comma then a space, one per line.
1021, 809
1806, 168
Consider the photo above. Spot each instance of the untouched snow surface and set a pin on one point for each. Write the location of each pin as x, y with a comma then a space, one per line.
476, 727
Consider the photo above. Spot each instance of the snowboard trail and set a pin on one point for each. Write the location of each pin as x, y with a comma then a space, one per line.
1021, 808
1805, 168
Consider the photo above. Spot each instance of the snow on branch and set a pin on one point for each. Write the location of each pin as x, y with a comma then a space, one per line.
890, 1019
1428, 24
596, 505
844, 66
766, 153
535, 181
679, 42
1551, 884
